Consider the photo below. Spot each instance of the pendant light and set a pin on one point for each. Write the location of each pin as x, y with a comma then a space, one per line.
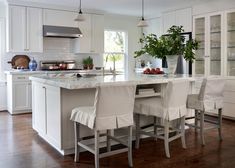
142, 23
80, 16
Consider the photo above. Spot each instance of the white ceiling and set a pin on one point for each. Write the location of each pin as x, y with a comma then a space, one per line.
124, 7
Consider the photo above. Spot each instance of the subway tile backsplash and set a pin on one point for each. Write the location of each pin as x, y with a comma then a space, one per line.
56, 49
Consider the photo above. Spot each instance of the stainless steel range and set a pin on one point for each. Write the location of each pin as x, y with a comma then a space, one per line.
58, 65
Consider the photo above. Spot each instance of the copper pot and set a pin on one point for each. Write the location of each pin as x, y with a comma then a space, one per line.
63, 66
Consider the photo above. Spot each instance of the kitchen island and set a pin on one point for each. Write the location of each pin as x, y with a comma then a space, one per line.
54, 97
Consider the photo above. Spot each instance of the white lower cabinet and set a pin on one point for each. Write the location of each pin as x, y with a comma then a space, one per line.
19, 94
229, 98
3, 99
46, 112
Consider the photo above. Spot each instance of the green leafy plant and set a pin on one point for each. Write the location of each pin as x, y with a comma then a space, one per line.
87, 61
171, 44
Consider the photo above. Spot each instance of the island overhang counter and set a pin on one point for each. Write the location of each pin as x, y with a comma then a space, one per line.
53, 99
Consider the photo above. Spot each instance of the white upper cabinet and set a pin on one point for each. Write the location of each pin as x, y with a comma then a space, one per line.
92, 40
97, 30
24, 29
17, 29
83, 44
34, 30
182, 17
168, 21
59, 18
154, 26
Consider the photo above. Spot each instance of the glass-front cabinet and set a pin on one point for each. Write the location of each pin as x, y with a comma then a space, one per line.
230, 48
208, 32
215, 51
200, 53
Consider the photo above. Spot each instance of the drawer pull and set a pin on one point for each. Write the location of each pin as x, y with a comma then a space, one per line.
21, 78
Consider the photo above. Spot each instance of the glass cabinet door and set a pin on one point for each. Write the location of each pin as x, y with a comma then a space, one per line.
215, 45
200, 53
231, 44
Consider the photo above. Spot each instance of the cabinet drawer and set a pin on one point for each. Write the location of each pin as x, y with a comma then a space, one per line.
230, 85
228, 110
20, 78
229, 97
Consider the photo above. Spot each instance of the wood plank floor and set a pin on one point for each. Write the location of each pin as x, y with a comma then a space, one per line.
21, 147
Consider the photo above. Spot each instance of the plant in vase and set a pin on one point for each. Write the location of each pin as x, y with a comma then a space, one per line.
88, 63
169, 46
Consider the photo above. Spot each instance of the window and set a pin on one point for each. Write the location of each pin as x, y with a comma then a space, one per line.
115, 50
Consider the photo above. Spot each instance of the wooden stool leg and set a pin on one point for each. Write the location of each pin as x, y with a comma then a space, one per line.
155, 127
77, 138
220, 124
202, 127
182, 127
108, 141
130, 146
196, 120
166, 138
137, 132
97, 153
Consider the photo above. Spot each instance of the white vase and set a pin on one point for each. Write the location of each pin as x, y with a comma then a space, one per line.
172, 63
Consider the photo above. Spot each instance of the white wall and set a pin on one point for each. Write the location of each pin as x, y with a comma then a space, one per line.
129, 25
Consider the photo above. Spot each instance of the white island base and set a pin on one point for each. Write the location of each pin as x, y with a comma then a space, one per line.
54, 99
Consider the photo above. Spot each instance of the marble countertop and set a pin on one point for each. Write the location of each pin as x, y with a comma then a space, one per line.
70, 81
28, 72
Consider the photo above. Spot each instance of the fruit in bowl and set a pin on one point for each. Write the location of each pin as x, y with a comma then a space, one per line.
153, 71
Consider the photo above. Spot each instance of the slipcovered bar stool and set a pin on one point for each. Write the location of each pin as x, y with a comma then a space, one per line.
113, 109
210, 98
172, 106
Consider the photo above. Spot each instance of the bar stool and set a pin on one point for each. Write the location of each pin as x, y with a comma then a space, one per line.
210, 98
172, 106
113, 109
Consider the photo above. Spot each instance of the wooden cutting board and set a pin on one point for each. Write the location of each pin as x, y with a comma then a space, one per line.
21, 61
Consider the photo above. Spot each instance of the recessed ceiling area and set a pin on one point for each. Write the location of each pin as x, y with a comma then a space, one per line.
123, 7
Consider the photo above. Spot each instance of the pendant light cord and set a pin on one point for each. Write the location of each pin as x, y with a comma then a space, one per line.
142, 9
80, 8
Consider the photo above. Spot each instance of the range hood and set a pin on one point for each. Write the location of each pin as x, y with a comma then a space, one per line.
62, 32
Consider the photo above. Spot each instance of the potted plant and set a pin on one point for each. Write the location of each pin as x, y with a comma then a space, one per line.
169, 46
88, 63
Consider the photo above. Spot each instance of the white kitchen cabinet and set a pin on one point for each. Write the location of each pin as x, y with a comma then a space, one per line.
59, 18
182, 17
46, 112
208, 30
18, 94
229, 97
24, 33
92, 40
168, 21
34, 30
3, 99
229, 54
97, 30
39, 108
154, 27
17, 29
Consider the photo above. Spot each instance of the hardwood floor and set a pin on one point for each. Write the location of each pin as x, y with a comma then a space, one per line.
21, 147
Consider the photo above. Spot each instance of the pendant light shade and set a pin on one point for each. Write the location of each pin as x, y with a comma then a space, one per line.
143, 22
80, 16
